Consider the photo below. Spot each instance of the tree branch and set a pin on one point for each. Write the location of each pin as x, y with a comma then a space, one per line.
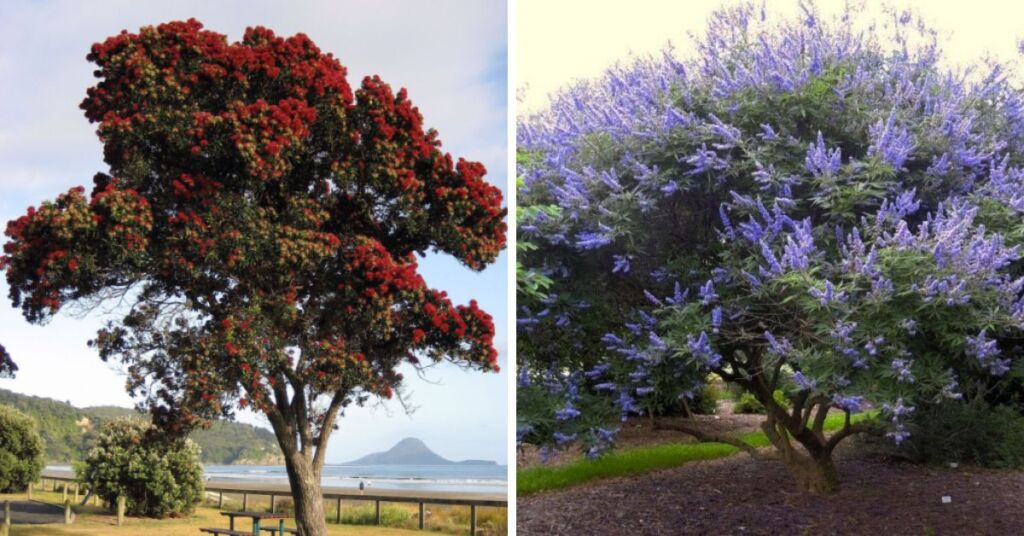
700, 435
862, 427
301, 412
326, 428
819, 419
282, 429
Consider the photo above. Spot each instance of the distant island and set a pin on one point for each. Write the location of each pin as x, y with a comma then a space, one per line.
411, 451
69, 432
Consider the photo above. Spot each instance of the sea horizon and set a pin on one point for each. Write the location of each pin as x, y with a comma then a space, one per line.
452, 478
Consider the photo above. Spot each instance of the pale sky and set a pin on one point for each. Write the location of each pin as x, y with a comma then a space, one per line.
450, 55
565, 40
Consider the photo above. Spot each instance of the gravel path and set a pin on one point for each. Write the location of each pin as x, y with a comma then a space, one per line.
739, 495
33, 513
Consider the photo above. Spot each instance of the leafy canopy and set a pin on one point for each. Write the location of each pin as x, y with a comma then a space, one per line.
157, 474
21, 450
809, 205
259, 224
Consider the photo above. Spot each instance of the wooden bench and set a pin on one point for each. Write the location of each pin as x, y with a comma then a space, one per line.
227, 532
274, 530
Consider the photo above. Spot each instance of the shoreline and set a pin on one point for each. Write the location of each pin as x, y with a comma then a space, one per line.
271, 486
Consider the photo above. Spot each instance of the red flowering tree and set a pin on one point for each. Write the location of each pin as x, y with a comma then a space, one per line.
7, 366
259, 226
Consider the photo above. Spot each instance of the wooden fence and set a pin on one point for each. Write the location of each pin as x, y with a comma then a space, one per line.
336, 495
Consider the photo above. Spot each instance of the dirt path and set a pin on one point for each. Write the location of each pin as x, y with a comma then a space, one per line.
738, 495
33, 513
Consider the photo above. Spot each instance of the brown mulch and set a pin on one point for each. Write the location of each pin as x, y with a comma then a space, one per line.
739, 495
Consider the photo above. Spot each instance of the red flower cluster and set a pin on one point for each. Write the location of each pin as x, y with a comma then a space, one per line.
283, 209
53, 252
7, 366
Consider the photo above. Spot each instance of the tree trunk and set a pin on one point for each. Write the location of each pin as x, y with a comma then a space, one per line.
812, 465
309, 502
816, 475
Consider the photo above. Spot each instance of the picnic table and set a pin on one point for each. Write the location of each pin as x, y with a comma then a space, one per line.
256, 517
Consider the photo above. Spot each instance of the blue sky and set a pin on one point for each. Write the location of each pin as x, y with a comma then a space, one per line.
450, 55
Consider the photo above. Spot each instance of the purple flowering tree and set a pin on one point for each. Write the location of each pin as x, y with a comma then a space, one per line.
813, 206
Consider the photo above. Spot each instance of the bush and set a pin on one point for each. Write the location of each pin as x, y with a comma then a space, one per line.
159, 476
747, 403
706, 401
786, 217
21, 450
963, 432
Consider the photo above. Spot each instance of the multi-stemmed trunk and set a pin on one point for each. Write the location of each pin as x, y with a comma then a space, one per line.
303, 441
304, 479
797, 432
813, 467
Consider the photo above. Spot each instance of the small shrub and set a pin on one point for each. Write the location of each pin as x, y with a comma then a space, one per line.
963, 432
706, 401
748, 404
159, 476
21, 450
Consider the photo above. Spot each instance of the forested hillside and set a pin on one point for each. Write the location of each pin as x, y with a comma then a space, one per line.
69, 431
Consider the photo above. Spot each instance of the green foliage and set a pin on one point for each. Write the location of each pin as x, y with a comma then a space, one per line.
747, 403
640, 460
158, 475
963, 432
366, 514
820, 230
539, 404
69, 432
21, 450
64, 439
706, 401
227, 442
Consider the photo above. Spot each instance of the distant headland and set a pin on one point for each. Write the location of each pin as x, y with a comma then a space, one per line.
411, 451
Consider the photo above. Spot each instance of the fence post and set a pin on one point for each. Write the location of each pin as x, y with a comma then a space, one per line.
67, 511
378, 511
120, 510
220, 501
245, 502
337, 512
64, 494
30, 484
421, 515
273, 503
472, 520
5, 529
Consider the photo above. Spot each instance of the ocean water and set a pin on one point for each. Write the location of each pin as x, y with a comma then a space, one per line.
466, 478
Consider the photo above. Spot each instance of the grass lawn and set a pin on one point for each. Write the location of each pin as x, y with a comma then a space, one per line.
94, 520
638, 460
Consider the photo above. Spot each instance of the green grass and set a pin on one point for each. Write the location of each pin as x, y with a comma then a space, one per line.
358, 518
95, 521
639, 460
